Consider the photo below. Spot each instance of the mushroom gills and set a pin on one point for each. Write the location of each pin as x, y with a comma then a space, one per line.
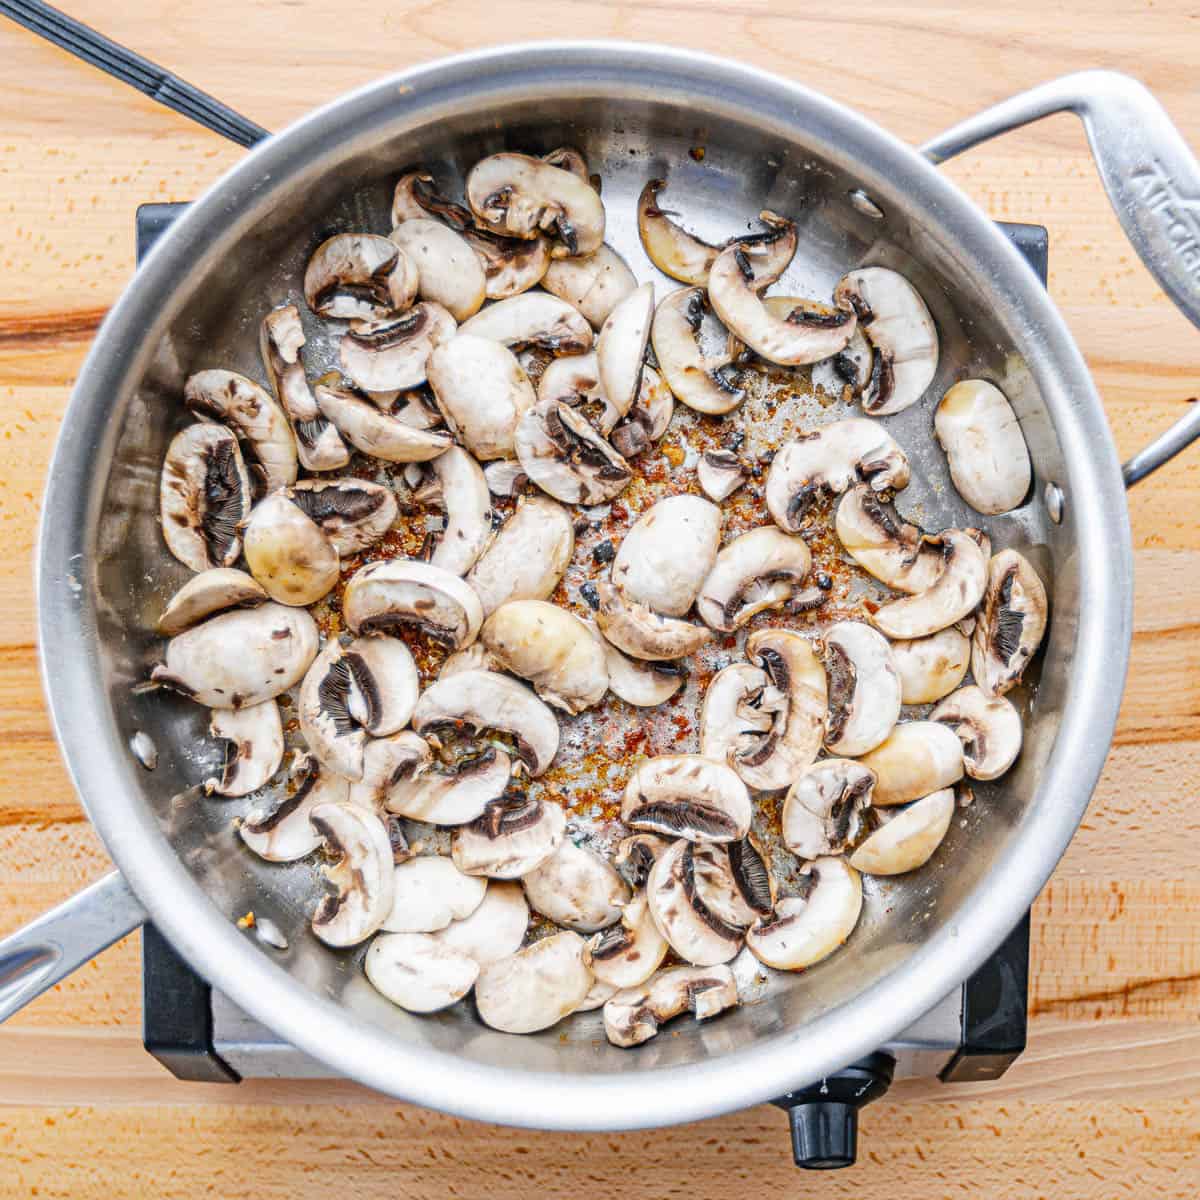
359, 276
392, 592
642, 633
633, 1015
687, 796
533, 319
696, 933
826, 806
374, 432
253, 738
629, 952
360, 871
1011, 625
352, 513
561, 453
392, 355
953, 595
884, 544
989, 728
284, 833
759, 570
700, 381
864, 689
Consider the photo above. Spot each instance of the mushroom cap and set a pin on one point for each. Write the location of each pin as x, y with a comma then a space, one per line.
636, 854
621, 348
989, 728
917, 758
1011, 625
633, 1015
284, 833
687, 796
215, 590
361, 873
643, 633
254, 747
533, 319
374, 432
628, 953
392, 354
691, 928
638, 682
511, 838
288, 553
417, 972
593, 283
953, 595
495, 929
720, 474
576, 888
760, 569
353, 513
931, 667
695, 379
563, 454
428, 892
864, 689
885, 545
399, 591
448, 269
989, 461
908, 839
534, 988
460, 488
823, 811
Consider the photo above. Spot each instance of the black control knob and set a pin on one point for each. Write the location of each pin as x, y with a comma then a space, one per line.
824, 1116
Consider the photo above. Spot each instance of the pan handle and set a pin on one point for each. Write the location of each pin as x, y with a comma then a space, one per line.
1152, 179
34, 959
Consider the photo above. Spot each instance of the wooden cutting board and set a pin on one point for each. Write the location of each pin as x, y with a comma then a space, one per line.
1101, 1105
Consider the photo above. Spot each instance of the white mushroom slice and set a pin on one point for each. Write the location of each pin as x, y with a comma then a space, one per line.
952, 596
240, 658
846, 375
486, 700
253, 739
760, 569
448, 269
429, 892
418, 973
687, 796
453, 797
920, 757
720, 473
374, 432
281, 338
698, 380
204, 496
361, 874
667, 554
495, 929
509, 839
414, 407
647, 420
536, 987
475, 657
637, 854
628, 953
621, 348
632, 1016
418, 198
693, 931
734, 881
571, 159
402, 591
392, 355
511, 266
642, 684
352, 513
458, 486
385, 684
359, 276
1012, 623
288, 553
643, 633
989, 461
482, 392
506, 476
908, 839
575, 380
826, 462
284, 834
807, 928
533, 319
806, 335
576, 888
528, 555
864, 689
931, 667
901, 331
594, 283
598, 995
561, 452
521, 196
385, 761
825, 807
884, 544
731, 717
212, 591
550, 647
989, 728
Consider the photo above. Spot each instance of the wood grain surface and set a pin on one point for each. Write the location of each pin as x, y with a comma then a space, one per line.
1103, 1104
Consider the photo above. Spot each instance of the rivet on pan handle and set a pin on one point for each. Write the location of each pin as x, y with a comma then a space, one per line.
1152, 179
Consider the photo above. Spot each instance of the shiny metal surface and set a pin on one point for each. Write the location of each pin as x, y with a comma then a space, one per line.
636, 112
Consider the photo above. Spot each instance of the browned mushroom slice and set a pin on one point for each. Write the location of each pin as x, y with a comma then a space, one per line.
359, 276
288, 553
392, 355
642, 633
511, 266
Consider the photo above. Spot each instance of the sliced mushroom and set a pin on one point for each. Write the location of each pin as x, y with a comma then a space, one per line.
953, 595
989, 461
864, 689
732, 719
284, 834
636, 854
1012, 624
550, 647
734, 881
577, 888
417, 198
204, 496
374, 432
633, 1015
403, 591
597, 996
506, 477
475, 657
512, 837
647, 420
392, 355
240, 658
828, 461
495, 929
417, 972
429, 892
931, 667
575, 380
902, 333
288, 553
720, 473
253, 738
621, 348
511, 266
448, 269
359, 276
486, 700
281, 338
643, 633
482, 392
908, 839
533, 320
989, 728
693, 930
561, 452
809, 927
449, 797
212, 591
687, 796
385, 760
521, 196
846, 375
571, 159
668, 553
594, 283
528, 555
361, 873
918, 758
458, 486
642, 684
825, 807
536, 987
627, 953
884, 544
760, 569
352, 513
698, 380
